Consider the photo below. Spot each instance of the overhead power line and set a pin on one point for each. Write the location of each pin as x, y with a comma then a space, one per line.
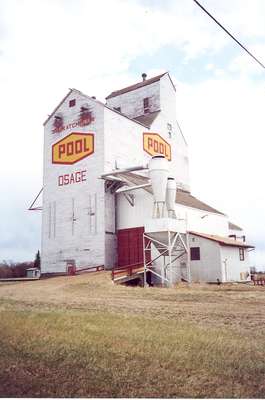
230, 34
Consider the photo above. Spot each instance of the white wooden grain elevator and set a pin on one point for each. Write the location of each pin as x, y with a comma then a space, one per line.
94, 212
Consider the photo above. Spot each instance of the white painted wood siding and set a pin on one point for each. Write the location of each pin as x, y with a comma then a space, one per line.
62, 238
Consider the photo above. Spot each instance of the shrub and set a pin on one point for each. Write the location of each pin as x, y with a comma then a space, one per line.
5, 271
14, 270
37, 260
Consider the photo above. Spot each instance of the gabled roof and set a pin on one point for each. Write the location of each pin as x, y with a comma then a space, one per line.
147, 119
125, 116
141, 119
57, 107
182, 197
96, 101
234, 227
135, 86
222, 240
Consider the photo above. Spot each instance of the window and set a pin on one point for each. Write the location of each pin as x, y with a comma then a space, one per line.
169, 128
117, 109
241, 254
72, 103
85, 116
146, 105
195, 253
58, 123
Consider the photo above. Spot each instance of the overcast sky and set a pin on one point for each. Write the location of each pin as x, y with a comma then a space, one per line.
97, 46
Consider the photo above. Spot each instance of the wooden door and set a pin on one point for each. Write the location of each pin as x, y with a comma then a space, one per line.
130, 246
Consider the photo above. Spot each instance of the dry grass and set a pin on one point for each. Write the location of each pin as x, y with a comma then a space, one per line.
85, 337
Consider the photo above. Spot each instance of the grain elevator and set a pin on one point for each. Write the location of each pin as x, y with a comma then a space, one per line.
94, 155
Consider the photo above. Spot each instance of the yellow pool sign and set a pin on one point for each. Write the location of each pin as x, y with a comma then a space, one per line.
73, 148
154, 144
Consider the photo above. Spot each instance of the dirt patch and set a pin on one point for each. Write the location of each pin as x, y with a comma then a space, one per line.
237, 306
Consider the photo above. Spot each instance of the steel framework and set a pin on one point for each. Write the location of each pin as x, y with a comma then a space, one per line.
174, 246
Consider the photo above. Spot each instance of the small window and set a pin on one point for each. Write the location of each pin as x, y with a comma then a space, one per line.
85, 115
72, 103
241, 254
117, 109
195, 253
58, 123
169, 129
146, 105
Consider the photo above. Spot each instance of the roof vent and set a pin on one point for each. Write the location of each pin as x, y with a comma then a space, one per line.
144, 76
93, 97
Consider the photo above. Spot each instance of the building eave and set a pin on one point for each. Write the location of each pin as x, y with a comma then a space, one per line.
186, 200
58, 106
136, 86
222, 240
95, 101
174, 87
125, 116
234, 227
151, 117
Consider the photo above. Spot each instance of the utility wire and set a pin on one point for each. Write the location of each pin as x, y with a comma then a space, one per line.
230, 34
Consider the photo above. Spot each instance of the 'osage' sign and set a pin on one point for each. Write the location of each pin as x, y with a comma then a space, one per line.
73, 148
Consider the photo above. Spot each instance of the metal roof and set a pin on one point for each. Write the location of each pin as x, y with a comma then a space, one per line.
147, 119
185, 198
95, 101
141, 119
234, 227
222, 240
135, 86
182, 197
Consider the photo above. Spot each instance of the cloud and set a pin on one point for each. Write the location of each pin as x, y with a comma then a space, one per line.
247, 66
54, 45
223, 120
49, 46
209, 67
19, 229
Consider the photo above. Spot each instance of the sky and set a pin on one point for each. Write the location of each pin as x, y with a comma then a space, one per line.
49, 46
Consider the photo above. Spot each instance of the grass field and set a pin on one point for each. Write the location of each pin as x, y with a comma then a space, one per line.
83, 336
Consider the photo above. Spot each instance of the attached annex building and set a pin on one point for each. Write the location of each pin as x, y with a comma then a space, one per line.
86, 220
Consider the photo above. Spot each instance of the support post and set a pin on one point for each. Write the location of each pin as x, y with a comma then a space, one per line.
170, 259
188, 252
144, 261
168, 252
163, 271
